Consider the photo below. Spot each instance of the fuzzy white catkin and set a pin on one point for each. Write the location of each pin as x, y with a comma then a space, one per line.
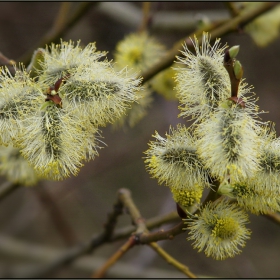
100, 93
18, 95
56, 142
229, 143
173, 160
204, 81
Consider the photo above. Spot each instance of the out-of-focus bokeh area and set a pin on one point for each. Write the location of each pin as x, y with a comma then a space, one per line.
31, 230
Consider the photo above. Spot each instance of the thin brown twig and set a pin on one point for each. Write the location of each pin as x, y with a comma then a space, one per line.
9, 63
232, 9
114, 258
273, 216
125, 197
59, 28
162, 234
61, 18
171, 260
136, 238
150, 224
73, 253
216, 32
37, 254
146, 17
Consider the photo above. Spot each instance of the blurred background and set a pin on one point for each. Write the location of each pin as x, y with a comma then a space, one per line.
30, 229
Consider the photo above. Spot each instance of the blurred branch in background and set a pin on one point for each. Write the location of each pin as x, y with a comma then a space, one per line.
150, 224
146, 16
60, 223
46, 260
79, 250
139, 222
4, 61
275, 217
40, 255
62, 24
232, 8
230, 25
171, 260
124, 201
7, 188
131, 15
11, 247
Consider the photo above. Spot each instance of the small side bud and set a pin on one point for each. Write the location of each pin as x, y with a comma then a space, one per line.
226, 189
238, 70
233, 51
46, 104
36, 61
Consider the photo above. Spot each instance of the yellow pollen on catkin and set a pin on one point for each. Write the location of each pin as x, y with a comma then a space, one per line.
225, 228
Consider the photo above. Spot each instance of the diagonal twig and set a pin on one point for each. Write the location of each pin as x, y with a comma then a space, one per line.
61, 25
230, 25
136, 238
114, 258
171, 260
73, 253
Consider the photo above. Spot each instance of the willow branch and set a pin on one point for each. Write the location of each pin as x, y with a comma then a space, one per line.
142, 230
75, 252
61, 25
137, 237
61, 18
124, 198
7, 188
230, 25
36, 254
113, 259
162, 234
137, 220
232, 8
275, 217
10, 64
150, 224
146, 18
142, 233
171, 260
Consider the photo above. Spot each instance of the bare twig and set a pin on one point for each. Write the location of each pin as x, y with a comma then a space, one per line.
146, 17
69, 255
136, 238
232, 8
216, 32
4, 61
137, 220
171, 260
124, 198
169, 234
163, 20
124, 248
61, 25
150, 224
37, 254
7, 188
61, 18
275, 217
